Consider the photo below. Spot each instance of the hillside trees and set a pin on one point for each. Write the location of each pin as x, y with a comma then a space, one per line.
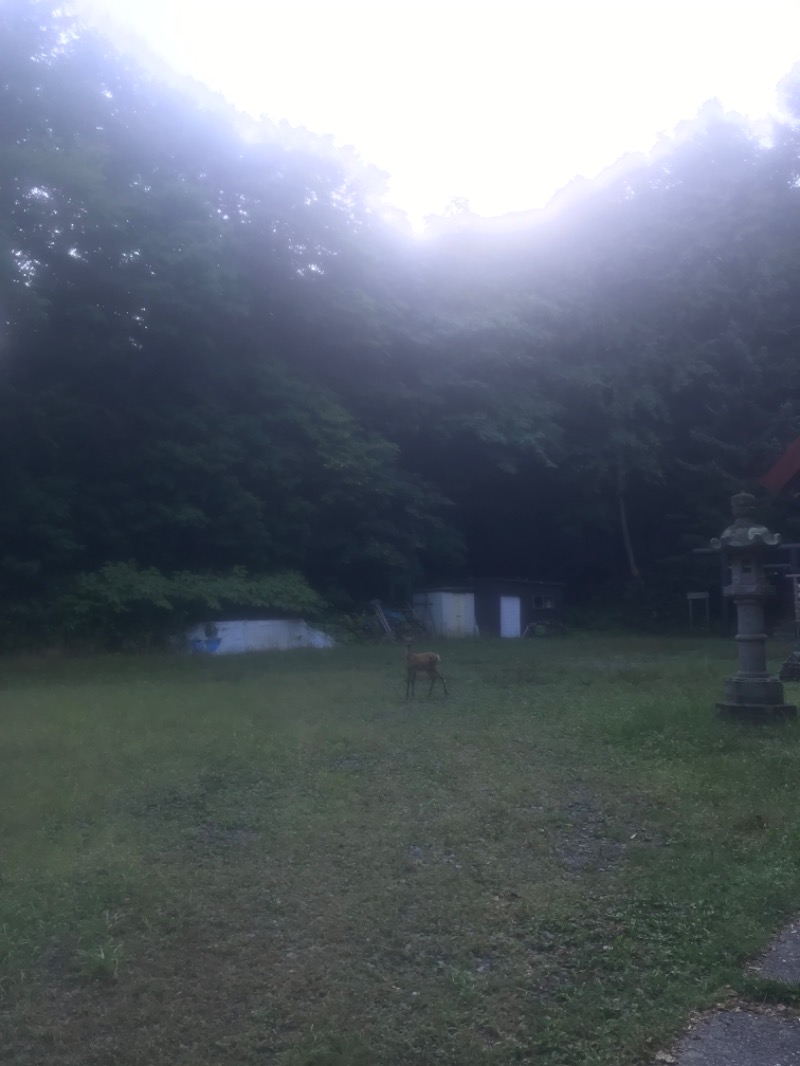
158, 271
215, 353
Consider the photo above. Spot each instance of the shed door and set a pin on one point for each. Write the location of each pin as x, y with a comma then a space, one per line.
458, 614
458, 603
510, 616
459, 610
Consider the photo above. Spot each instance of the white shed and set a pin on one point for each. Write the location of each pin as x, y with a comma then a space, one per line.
446, 612
231, 638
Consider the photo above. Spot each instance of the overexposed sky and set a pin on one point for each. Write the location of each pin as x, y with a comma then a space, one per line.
499, 102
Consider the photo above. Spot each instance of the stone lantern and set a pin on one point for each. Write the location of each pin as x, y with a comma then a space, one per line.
751, 693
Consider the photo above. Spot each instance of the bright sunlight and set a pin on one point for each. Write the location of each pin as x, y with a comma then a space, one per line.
496, 103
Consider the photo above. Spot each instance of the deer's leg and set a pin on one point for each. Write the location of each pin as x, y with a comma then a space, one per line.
435, 676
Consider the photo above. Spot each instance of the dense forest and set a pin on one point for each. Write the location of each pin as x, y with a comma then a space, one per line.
229, 378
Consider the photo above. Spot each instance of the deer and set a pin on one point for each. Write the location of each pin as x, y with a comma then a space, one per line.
422, 662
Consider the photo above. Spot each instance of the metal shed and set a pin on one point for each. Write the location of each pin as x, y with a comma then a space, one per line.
447, 612
489, 607
507, 608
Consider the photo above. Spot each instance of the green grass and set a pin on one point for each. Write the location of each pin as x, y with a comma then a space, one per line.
279, 860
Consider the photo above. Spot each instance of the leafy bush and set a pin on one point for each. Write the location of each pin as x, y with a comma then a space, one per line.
123, 605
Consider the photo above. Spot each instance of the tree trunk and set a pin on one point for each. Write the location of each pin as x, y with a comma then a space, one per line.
633, 568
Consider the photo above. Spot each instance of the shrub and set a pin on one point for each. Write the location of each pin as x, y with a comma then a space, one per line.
122, 605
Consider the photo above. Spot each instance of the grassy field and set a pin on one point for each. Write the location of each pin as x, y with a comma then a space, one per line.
278, 860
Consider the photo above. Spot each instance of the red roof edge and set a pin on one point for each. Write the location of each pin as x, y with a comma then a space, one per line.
787, 467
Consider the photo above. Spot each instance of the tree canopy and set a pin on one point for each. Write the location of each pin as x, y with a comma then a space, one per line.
216, 351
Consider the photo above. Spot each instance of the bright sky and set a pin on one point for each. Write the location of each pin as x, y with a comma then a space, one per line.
499, 102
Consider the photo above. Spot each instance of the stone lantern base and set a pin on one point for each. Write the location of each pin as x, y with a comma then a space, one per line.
754, 699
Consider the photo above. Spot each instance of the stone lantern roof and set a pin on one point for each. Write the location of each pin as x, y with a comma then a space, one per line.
744, 532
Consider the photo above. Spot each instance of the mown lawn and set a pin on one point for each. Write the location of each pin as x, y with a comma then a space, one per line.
278, 860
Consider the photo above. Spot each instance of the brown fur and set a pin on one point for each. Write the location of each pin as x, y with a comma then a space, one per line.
422, 662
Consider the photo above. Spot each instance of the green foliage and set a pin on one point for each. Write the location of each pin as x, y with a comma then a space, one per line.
124, 604
215, 354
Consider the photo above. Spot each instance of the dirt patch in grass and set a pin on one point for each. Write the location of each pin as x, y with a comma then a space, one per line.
598, 834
